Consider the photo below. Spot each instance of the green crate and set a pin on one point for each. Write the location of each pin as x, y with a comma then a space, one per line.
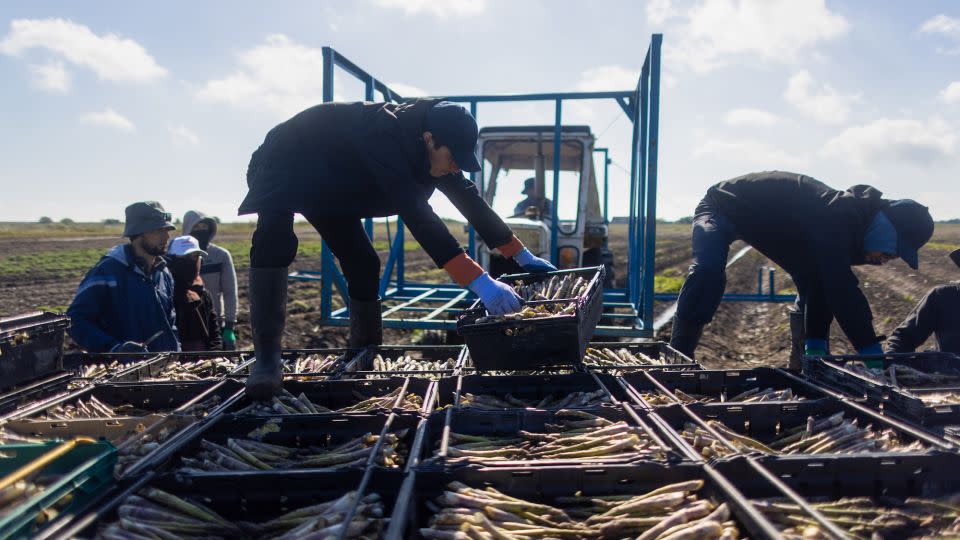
86, 470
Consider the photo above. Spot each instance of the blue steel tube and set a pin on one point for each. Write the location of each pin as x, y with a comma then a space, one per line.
606, 185
326, 258
555, 226
640, 276
633, 260
654, 144
471, 234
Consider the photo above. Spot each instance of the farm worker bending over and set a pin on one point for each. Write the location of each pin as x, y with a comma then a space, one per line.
125, 302
814, 232
217, 273
938, 314
197, 322
338, 163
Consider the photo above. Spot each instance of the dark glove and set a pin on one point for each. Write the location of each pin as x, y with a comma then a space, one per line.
531, 263
229, 338
129, 347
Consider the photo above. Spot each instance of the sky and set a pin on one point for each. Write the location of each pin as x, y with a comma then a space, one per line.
104, 103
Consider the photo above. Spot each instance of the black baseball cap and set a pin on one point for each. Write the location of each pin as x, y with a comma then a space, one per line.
145, 217
454, 127
914, 228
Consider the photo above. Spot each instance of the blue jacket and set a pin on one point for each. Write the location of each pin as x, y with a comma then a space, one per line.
117, 302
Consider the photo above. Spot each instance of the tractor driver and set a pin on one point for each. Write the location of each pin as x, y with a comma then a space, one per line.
338, 163
543, 205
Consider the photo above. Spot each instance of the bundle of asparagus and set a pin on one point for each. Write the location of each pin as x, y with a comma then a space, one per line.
313, 363
91, 408
196, 370
819, 435
671, 512
509, 401
939, 398
901, 375
203, 408
866, 517
287, 403
249, 454
554, 289
753, 395
99, 370
138, 446
578, 435
608, 357
408, 363
157, 514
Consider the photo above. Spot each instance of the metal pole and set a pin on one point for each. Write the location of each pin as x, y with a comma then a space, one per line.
400, 253
773, 290
638, 296
606, 185
471, 234
555, 226
326, 258
633, 267
654, 144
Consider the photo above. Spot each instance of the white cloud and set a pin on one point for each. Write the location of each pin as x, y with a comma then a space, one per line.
278, 75
111, 57
942, 24
658, 11
715, 33
108, 118
442, 9
603, 78
52, 77
750, 117
184, 135
823, 103
406, 90
758, 154
894, 140
951, 94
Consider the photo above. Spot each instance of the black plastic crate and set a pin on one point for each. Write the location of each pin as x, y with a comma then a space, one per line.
33, 394
527, 388
661, 355
362, 366
338, 394
904, 401
153, 370
764, 421
239, 497
535, 343
545, 485
85, 365
289, 358
507, 422
31, 347
288, 430
666, 387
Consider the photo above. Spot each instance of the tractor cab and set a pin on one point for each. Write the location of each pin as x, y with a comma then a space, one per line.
515, 183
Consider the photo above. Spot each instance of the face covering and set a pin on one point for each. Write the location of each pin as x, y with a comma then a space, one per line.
203, 237
185, 270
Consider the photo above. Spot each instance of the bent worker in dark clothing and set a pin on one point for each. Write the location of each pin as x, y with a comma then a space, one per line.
338, 163
938, 314
815, 233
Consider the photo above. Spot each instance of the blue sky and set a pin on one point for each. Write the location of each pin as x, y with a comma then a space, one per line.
109, 102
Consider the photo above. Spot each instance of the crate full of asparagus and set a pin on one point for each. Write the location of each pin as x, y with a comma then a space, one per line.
924, 387
560, 313
420, 361
572, 391
348, 396
656, 388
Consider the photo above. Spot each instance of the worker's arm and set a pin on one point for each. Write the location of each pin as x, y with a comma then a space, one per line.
842, 293
466, 197
228, 287
917, 327
93, 295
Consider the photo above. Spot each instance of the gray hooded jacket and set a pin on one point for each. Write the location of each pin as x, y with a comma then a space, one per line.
219, 276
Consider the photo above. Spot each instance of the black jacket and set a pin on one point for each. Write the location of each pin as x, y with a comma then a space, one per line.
815, 233
938, 314
360, 160
197, 322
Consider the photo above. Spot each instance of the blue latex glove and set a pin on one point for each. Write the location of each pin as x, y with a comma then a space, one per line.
874, 349
499, 298
531, 263
815, 347
129, 346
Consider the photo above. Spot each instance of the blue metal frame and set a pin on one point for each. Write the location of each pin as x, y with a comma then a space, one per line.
630, 309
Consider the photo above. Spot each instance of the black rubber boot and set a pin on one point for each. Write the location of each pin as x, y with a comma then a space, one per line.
366, 324
685, 336
797, 337
268, 312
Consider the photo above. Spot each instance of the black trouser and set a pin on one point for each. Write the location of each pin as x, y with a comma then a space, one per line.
275, 245
712, 234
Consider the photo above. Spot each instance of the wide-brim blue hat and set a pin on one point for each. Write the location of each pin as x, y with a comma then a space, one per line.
914, 228
142, 217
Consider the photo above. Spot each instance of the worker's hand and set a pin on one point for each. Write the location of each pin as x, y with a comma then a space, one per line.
499, 298
129, 347
872, 350
229, 338
531, 263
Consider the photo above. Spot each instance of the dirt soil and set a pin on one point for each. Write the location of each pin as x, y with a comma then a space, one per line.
741, 335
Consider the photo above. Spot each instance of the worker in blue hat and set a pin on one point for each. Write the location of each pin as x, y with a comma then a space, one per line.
815, 233
938, 313
338, 163
543, 205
